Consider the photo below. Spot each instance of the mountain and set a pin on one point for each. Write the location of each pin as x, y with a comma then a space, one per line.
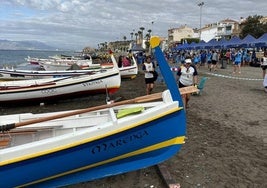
24, 45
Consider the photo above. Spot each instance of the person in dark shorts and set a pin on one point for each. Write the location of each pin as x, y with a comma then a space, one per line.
187, 76
264, 65
149, 68
214, 60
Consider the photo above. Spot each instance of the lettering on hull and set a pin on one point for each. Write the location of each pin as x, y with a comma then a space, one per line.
97, 82
107, 146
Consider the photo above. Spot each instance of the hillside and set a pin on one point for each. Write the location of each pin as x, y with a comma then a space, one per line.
24, 45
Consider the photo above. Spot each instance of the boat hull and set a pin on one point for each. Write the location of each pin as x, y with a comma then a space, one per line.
62, 88
138, 147
129, 72
11, 75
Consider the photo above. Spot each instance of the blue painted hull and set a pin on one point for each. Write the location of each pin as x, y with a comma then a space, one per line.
139, 147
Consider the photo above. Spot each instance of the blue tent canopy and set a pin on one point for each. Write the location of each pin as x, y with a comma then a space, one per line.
233, 42
182, 46
248, 41
200, 45
221, 44
192, 45
211, 44
261, 41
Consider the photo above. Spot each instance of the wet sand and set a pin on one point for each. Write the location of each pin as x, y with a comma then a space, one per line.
226, 133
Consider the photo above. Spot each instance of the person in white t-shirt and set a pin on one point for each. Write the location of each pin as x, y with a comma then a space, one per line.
264, 64
149, 68
264, 67
187, 76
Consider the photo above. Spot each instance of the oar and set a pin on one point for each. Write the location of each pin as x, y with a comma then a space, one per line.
146, 98
8, 127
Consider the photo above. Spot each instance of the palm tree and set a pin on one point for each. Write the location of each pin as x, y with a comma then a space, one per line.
131, 35
142, 30
149, 31
106, 45
136, 34
147, 41
147, 36
140, 35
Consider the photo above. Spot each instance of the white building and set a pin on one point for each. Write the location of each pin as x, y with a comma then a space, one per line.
222, 29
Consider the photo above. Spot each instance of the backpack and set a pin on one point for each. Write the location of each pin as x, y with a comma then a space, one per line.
155, 75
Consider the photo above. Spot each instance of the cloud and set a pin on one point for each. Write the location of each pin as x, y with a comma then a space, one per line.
79, 23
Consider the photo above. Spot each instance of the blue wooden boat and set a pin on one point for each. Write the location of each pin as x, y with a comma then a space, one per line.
68, 147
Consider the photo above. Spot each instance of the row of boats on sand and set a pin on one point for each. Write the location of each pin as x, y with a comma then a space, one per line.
59, 83
68, 147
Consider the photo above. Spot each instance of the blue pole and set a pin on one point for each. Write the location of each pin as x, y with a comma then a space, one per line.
166, 71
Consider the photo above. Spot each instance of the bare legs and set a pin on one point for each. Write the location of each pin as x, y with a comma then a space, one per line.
185, 100
263, 73
237, 68
149, 88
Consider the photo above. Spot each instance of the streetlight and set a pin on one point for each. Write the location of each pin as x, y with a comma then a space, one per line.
152, 27
200, 5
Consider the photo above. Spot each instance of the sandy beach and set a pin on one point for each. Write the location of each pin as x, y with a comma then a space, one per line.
226, 133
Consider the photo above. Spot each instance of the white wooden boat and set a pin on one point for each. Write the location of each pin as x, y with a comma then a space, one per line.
125, 71
129, 71
62, 62
43, 90
63, 148
59, 65
16, 74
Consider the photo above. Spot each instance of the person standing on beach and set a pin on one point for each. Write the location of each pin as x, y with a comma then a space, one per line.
209, 55
264, 67
237, 62
264, 64
187, 76
228, 56
214, 60
203, 58
149, 68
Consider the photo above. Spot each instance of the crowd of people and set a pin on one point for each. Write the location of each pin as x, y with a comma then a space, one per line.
188, 63
213, 58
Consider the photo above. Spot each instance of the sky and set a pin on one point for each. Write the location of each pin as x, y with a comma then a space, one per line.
75, 24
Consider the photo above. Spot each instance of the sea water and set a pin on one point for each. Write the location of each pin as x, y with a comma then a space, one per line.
17, 58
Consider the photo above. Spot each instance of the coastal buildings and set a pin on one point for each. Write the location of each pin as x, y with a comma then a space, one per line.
175, 35
222, 29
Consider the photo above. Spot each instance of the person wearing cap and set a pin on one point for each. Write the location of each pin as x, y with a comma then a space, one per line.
187, 76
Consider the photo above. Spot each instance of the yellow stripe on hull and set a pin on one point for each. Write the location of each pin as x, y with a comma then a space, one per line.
74, 144
171, 142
